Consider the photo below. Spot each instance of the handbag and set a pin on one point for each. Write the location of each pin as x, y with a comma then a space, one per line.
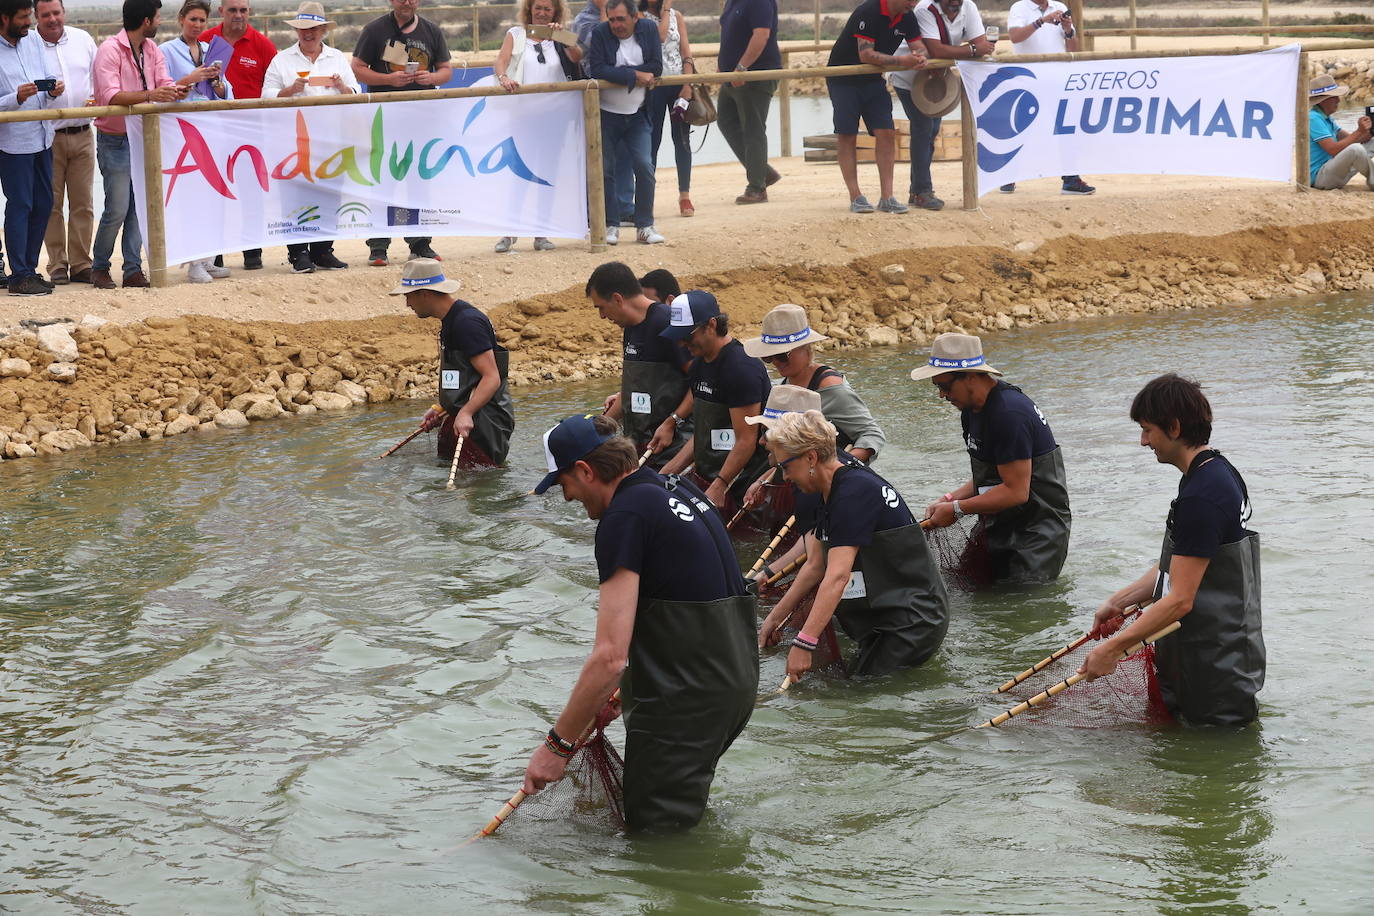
701, 110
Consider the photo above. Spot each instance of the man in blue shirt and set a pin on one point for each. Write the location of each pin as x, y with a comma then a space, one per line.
25, 146
1335, 155
749, 41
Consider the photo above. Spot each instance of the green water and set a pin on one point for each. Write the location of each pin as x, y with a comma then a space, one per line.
263, 672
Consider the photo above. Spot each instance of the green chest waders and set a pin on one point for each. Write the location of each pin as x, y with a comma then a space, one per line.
649, 393
714, 436
494, 423
1029, 542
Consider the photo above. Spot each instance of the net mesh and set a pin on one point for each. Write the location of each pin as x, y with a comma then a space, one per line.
826, 660
1129, 695
961, 549
593, 785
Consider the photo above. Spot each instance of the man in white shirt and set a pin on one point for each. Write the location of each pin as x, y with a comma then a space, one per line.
1044, 27
69, 53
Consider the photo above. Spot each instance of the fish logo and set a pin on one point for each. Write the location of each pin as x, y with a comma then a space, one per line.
1006, 117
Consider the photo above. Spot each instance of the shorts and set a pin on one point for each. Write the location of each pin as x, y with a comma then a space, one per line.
865, 98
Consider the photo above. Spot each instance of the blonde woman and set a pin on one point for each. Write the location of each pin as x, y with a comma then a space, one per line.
525, 59
867, 559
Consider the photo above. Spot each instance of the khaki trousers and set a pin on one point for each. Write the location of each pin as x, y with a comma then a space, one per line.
73, 175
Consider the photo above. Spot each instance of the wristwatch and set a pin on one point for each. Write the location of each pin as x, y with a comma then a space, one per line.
958, 513
678, 421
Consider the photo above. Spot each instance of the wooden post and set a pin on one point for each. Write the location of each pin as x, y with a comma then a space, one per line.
1264, 20
785, 110
968, 149
476, 28
1133, 23
818, 21
152, 193
1302, 163
1076, 10
596, 178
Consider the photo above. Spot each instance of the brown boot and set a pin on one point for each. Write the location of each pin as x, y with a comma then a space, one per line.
750, 196
101, 279
136, 280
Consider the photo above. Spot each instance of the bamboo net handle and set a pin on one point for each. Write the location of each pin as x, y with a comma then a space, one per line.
645, 457
406, 441
787, 570
453, 468
772, 546
1068, 682
1057, 654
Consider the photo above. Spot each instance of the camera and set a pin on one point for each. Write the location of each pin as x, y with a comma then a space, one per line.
45, 85
679, 110
1369, 112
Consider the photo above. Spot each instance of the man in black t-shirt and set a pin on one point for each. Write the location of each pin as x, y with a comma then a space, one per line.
1207, 577
397, 53
875, 29
1018, 482
676, 628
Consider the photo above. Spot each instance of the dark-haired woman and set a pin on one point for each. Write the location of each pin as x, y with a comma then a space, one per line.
672, 100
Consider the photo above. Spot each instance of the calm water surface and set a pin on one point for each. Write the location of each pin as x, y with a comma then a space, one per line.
264, 672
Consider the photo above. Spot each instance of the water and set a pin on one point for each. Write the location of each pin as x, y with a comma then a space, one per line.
264, 672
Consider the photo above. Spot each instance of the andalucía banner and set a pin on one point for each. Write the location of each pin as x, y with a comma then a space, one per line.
492, 166
1231, 116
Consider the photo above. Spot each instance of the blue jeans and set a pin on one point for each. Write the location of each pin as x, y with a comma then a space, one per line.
633, 131
660, 99
27, 182
112, 156
924, 130
624, 181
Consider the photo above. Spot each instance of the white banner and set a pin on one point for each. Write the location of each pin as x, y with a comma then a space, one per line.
1230, 116
492, 166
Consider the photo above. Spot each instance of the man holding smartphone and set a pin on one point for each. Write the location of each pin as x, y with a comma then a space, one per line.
25, 146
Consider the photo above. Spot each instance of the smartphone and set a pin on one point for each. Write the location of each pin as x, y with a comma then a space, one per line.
541, 32
1369, 112
45, 85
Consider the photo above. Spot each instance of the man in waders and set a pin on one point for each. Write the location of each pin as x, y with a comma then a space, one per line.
728, 386
653, 382
1018, 484
1207, 577
675, 628
474, 401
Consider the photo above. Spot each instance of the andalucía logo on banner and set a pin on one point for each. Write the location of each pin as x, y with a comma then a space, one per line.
1225, 115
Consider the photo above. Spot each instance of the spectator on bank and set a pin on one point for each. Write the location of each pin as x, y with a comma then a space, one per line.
253, 52
129, 70
672, 100
185, 54
583, 25
69, 51
1044, 27
25, 146
524, 59
873, 32
310, 68
749, 41
625, 50
401, 35
1335, 155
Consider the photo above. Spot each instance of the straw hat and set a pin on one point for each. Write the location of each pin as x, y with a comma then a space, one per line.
936, 91
424, 273
784, 328
786, 399
308, 15
954, 353
1324, 87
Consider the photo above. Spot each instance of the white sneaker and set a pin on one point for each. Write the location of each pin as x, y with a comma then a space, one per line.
196, 272
219, 273
649, 236
543, 244
612, 235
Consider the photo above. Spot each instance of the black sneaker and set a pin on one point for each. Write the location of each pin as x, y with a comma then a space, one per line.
424, 251
252, 262
28, 286
1076, 186
45, 281
301, 264
329, 262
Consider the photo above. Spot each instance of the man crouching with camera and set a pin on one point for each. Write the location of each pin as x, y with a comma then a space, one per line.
1335, 155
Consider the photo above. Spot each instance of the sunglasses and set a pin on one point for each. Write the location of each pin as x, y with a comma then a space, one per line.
945, 386
779, 357
539, 50
782, 465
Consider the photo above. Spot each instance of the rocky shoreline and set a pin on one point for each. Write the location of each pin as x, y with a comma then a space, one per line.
67, 385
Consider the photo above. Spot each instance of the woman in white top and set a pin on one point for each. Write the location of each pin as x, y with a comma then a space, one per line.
672, 100
185, 57
310, 67
526, 60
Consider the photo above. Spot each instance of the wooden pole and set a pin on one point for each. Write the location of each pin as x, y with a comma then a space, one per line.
1133, 23
785, 111
968, 144
596, 178
1079, 23
1056, 655
817, 25
788, 569
453, 468
152, 194
772, 546
1302, 163
1264, 18
476, 29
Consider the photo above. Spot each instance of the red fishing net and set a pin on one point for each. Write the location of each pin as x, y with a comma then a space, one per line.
961, 550
826, 660
1129, 695
592, 787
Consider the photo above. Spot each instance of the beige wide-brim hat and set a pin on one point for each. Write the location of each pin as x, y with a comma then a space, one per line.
309, 15
936, 92
785, 399
425, 273
954, 353
1324, 87
784, 328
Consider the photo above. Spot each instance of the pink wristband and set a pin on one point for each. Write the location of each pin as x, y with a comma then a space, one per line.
949, 497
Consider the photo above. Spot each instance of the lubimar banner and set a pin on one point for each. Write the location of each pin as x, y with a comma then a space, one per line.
1230, 116
490, 166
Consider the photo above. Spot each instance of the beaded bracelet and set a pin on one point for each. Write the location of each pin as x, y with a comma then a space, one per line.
564, 749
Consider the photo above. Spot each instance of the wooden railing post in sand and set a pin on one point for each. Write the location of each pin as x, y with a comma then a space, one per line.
1301, 159
596, 178
785, 110
152, 192
968, 149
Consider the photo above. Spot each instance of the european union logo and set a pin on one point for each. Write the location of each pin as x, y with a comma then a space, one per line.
402, 216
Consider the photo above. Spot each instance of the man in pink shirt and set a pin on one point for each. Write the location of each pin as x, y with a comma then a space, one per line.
129, 70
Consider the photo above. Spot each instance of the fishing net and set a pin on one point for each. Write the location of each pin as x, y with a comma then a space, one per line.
473, 454
826, 660
961, 550
592, 787
1129, 695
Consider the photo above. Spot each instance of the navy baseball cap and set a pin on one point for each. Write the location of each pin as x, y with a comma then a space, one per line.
689, 311
568, 443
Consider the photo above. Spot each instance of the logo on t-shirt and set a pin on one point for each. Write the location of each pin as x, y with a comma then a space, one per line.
681, 509
890, 497
971, 443
1040, 415
631, 350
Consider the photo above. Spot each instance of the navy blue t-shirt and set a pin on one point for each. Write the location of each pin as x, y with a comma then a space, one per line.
860, 504
668, 539
467, 330
642, 344
807, 507
1008, 428
1209, 509
737, 23
734, 378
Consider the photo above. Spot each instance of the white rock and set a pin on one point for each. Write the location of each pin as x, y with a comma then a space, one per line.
305, 410
182, 424
65, 439
880, 336
295, 382
62, 372
91, 322
329, 400
893, 273
1026, 245
57, 340
15, 368
129, 435
230, 418
269, 409
1314, 278
19, 450
249, 398
353, 391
